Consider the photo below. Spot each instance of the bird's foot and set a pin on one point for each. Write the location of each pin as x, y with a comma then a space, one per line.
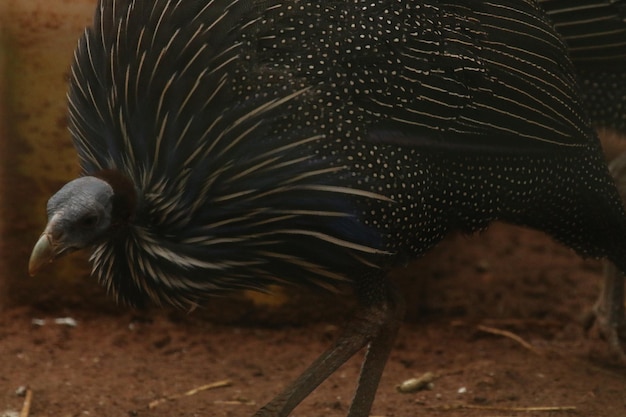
608, 315
612, 329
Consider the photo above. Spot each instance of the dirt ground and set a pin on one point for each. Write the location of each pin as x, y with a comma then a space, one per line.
116, 361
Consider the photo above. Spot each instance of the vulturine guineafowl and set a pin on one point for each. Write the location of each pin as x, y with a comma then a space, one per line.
235, 144
595, 34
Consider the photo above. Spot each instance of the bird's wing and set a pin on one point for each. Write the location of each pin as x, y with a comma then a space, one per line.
480, 76
594, 30
595, 33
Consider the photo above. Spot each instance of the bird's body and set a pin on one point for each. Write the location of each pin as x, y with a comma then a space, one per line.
249, 143
285, 138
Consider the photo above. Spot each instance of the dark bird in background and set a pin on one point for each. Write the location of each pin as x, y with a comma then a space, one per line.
236, 144
595, 34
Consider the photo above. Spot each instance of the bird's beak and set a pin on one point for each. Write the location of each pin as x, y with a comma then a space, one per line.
48, 247
42, 253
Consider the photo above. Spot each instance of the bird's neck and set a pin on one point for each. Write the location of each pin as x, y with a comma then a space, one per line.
124, 196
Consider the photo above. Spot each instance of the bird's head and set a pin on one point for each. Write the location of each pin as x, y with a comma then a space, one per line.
79, 215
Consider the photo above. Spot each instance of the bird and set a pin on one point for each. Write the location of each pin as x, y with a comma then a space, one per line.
231, 145
595, 35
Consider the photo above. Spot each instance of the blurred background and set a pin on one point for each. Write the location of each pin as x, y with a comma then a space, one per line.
37, 42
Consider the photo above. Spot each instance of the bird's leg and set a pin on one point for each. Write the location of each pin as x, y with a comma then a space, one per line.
374, 325
375, 359
608, 312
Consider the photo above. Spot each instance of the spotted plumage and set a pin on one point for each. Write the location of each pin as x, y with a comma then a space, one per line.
595, 33
258, 142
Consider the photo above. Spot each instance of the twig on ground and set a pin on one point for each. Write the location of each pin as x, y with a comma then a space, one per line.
510, 322
27, 401
218, 384
236, 401
509, 335
500, 408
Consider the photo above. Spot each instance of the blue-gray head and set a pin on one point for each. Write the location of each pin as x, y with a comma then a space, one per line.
79, 215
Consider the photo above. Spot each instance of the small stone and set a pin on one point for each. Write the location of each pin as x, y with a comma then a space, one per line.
482, 266
417, 384
38, 322
66, 321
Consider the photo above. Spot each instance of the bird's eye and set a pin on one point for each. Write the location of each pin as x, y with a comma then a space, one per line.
89, 221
